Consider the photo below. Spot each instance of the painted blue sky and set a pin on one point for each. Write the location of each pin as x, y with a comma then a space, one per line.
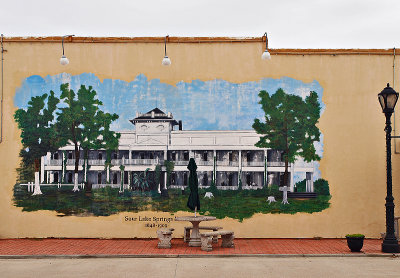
201, 105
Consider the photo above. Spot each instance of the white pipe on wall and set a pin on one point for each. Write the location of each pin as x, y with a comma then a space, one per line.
2, 90
394, 112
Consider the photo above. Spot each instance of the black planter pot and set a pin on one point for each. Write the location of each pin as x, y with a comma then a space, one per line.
355, 243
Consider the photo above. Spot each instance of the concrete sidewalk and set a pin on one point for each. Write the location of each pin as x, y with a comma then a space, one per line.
237, 267
78, 248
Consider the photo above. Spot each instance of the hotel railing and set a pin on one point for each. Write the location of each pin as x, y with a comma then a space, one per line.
55, 162
180, 163
253, 163
204, 163
275, 163
198, 162
101, 162
116, 162
227, 163
96, 162
136, 161
72, 161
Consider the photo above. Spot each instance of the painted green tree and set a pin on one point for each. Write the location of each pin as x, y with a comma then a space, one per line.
95, 126
84, 124
290, 126
169, 168
38, 132
140, 180
109, 139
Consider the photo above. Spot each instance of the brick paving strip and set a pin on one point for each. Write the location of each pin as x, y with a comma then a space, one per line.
53, 247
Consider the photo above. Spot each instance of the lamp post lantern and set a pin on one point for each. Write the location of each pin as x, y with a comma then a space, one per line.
388, 99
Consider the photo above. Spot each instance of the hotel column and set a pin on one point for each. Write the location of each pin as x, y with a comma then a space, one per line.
42, 169
165, 154
108, 174
165, 173
240, 167
291, 177
129, 163
215, 167
63, 167
312, 183
51, 177
312, 179
265, 168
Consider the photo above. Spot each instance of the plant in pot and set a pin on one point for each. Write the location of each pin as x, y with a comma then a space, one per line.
355, 242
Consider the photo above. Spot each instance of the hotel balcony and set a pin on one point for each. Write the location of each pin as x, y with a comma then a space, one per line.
99, 162
276, 163
157, 161
198, 163
253, 163
181, 162
136, 161
228, 163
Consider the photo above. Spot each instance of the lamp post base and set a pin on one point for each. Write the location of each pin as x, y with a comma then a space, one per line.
390, 246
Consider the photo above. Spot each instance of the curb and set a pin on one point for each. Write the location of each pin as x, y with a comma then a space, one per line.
102, 256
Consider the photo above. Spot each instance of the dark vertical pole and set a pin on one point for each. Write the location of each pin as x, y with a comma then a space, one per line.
390, 243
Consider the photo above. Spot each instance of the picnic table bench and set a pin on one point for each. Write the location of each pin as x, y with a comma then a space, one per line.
164, 236
207, 239
186, 232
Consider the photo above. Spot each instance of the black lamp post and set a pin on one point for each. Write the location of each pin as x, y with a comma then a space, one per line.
388, 99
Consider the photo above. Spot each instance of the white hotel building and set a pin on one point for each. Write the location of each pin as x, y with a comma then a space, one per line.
220, 155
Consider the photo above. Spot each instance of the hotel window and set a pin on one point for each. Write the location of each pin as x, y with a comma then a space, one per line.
100, 156
55, 155
186, 156
115, 155
173, 178
126, 177
248, 179
185, 179
55, 177
205, 179
205, 156
230, 179
69, 155
248, 156
141, 155
151, 155
173, 156
115, 178
69, 177
99, 178
230, 157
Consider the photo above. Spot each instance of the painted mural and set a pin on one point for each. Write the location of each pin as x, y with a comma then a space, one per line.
96, 148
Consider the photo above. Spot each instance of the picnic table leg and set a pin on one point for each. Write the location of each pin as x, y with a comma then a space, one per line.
195, 235
186, 234
206, 243
227, 241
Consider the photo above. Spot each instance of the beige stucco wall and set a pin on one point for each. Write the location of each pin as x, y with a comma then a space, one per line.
352, 125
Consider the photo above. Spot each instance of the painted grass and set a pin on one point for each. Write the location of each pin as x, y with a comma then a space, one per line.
107, 201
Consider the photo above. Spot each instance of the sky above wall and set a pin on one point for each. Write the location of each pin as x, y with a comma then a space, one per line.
290, 24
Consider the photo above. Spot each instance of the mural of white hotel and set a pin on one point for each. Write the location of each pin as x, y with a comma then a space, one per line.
220, 156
